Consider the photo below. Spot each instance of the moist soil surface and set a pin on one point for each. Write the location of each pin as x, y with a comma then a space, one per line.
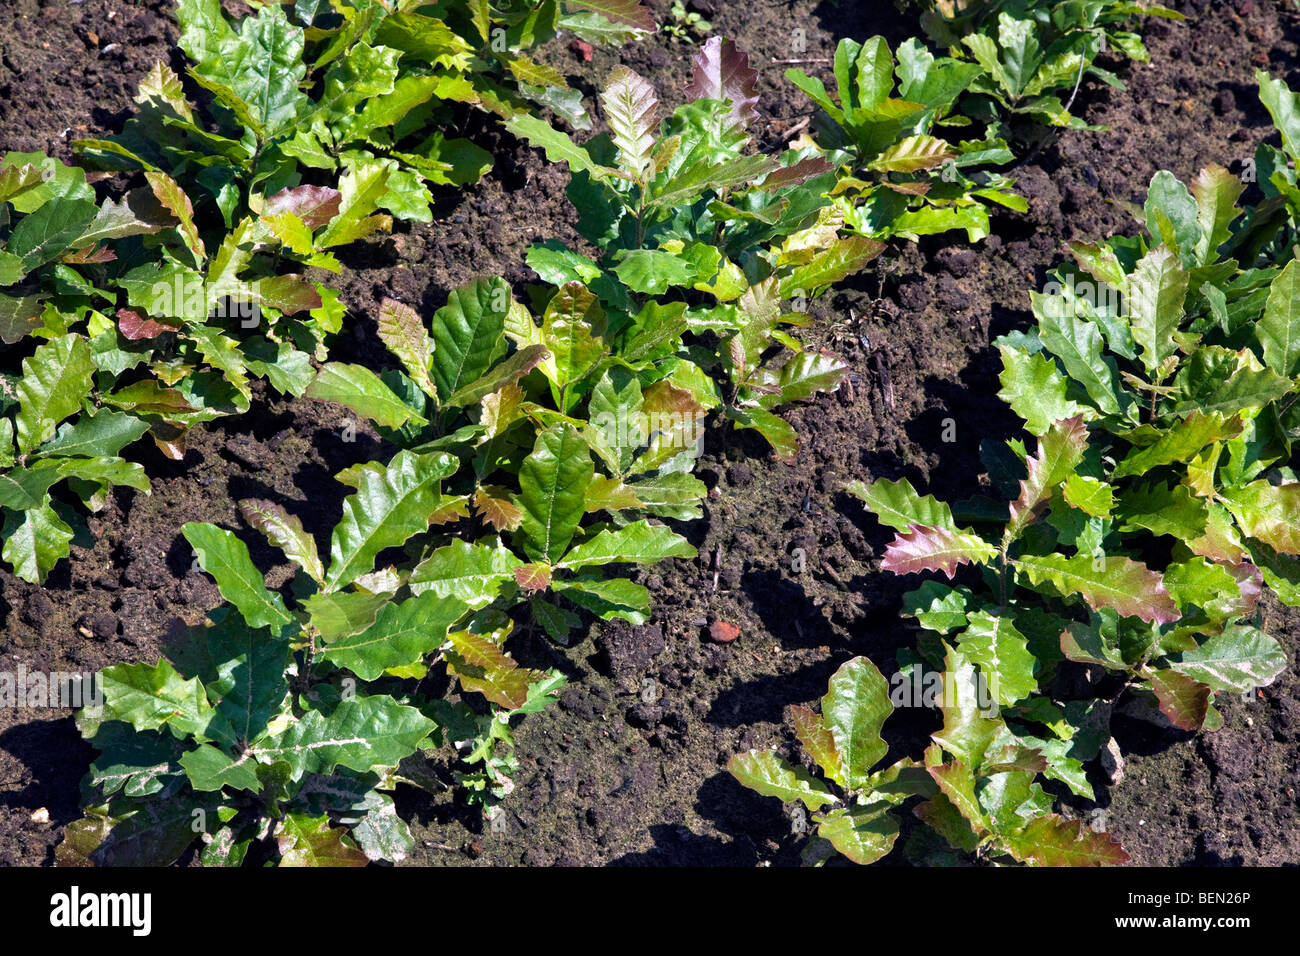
629, 768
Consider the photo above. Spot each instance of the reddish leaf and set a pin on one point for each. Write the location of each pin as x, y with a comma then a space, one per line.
171, 195
533, 577
314, 205
722, 72
135, 326
494, 504
935, 549
797, 173
1054, 841
288, 293
631, 12
483, 668
90, 255
1183, 700
818, 741
1059, 452
1128, 586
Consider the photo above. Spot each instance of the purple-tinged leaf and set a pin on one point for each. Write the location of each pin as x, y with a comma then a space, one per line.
1183, 700
818, 741
631, 110
1059, 452
796, 174
631, 12
314, 205
1054, 841
935, 549
722, 72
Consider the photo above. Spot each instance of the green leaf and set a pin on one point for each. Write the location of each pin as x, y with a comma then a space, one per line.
23, 488
102, 434
832, 265
361, 189
937, 607
1171, 215
608, 598
1093, 497
1078, 343
1002, 654
573, 327
1278, 330
1180, 443
461, 571
286, 532
362, 733
402, 635
638, 543
1035, 389
341, 613
1268, 512
401, 329
311, 841
1128, 586
1161, 509
257, 71
956, 782
55, 379
134, 764
143, 833
150, 698
1216, 191
559, 147
47, 233
170, 194
1237, 660
1216, 379
819, 742
35, 541
897, 505
1054, 841
1156, 291
210, 769
362, 391
1283, 105
468, 333
854, 709
552, 490
392, 502
654, 271
864, 834
970, 717
226, 558
766, 773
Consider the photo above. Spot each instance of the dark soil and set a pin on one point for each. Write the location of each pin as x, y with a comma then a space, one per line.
629, 768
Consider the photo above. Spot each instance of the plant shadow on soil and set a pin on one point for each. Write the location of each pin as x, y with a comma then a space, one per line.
629, 767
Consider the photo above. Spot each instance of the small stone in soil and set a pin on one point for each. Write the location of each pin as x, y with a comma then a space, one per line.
724, 632
101, 625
